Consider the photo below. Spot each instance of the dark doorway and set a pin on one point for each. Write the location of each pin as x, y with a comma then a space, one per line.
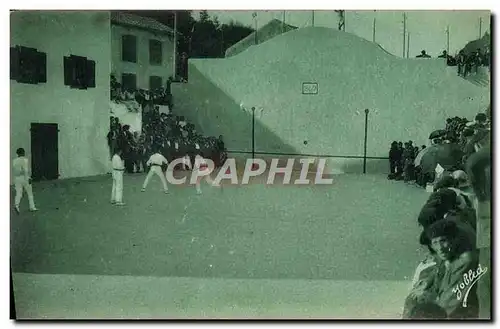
44, 151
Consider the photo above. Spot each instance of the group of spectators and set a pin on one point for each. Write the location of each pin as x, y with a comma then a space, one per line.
454, 220
450, 149
465, 62
468, 62
169, 133
177, 138
401, 161
159, 96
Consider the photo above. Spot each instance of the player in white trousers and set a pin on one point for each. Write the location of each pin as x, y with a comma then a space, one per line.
118, 169
186, 162
200, 165
22, 180
155, 162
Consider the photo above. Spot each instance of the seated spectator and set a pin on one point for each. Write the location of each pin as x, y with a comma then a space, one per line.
481, 120
444, 54
446, 181
423, 54
439, 204
454, 244
455, 254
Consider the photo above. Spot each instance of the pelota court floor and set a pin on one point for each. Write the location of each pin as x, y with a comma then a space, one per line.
346, 250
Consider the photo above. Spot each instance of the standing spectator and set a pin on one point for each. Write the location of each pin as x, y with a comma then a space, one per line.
476, 60
136, 152
467, 143
142, 152
127, 149
408, 160
168, 99
399, 161
469, 62
461, 61
221, 151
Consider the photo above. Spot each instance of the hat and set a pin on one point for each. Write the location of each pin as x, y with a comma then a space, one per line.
426, 217
468, 132
445, 182
444, 227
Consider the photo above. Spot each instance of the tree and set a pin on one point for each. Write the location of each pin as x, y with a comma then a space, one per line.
203, 38
204, 17
216, 22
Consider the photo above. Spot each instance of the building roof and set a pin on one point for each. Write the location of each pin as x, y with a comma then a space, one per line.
141, 22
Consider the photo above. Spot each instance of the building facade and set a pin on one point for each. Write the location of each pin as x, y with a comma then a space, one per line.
142, 51
59, 114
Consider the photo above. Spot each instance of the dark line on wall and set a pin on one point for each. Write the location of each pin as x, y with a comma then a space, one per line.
312, 155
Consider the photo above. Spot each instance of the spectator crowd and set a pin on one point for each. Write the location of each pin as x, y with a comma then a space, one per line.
169, 133
455, 168
466, 63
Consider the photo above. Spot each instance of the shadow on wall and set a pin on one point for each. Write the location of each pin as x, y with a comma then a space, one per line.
214, 113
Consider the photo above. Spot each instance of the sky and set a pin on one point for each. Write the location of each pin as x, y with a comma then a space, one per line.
427, 29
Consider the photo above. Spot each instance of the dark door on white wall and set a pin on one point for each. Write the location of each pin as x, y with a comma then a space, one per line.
44, 151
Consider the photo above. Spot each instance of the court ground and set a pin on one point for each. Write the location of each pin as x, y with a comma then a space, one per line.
346, 250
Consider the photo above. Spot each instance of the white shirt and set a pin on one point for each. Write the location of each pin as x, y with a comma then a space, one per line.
157, 159
186, 161
20, 167
117, 162
199, 161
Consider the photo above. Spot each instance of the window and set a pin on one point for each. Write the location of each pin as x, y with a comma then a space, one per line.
129, 48
155, 53
129, 81
27, 65
155, 83
79, 72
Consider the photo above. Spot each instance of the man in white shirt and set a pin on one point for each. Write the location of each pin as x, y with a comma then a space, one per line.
201, 165
118, 169
186, 162
155, 162
22, 180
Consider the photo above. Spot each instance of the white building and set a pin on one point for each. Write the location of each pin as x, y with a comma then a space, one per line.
59, 103
63, 129
142, 51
